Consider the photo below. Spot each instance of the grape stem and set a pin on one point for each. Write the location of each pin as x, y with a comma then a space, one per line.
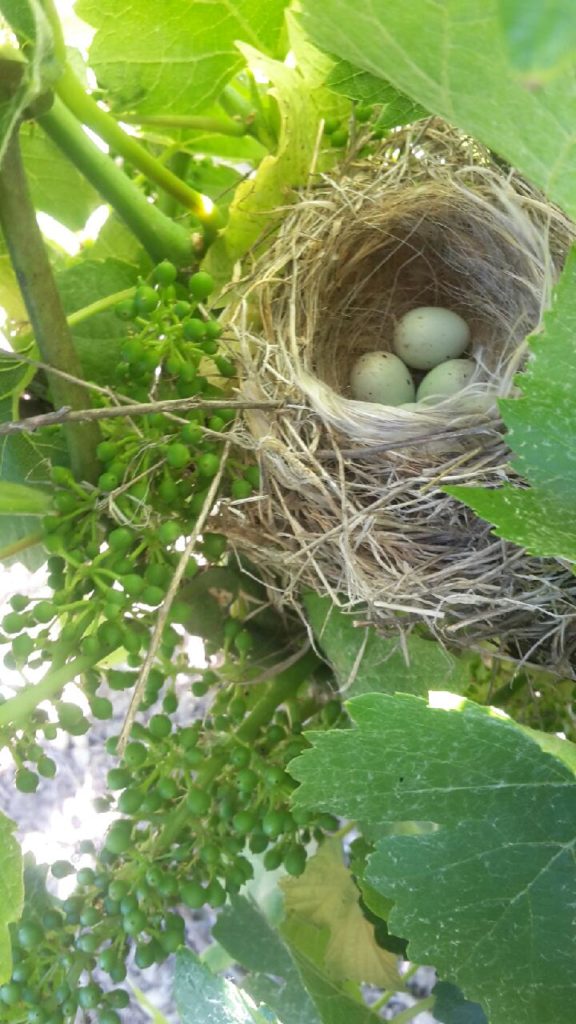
220, 125
16, 711
161, 237
70, 90
44, 305
164, 611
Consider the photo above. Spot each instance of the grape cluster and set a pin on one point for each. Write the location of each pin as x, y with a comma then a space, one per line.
194, 803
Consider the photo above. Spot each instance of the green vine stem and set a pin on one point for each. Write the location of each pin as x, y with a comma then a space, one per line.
70, 90
16, 711
44, 306
220, 125
160, 236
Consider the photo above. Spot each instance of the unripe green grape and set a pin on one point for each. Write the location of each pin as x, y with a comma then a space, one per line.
136, 754
65, 501
22, 647
327, 822
26, 780
125, 310
29, 935
214, 545
14, 622
146, 300
164, 273
134, 922
258, 842
87, 942
118, 778
108, 482
295, 860
121, 538
193, 895
62, 868
201, 285
118, 972
89, 996
89, 917
210, 853
215, 894
198, 801
177, 455
106, 451
213, 329
119, 838
194, 329
273, 824
10, 993
160, 726
181, 308
167, 788
208, 464
85, 876
151, 803
241, 489
246, 780
147, 953
244, 822
118, 998
52, 920
169, 531
339, 138
108, 1016
170, 703
101, 708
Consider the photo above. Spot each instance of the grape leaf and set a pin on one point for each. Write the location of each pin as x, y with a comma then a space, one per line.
452, 1008
56, 186
11, 892
181, 52
364, 662
258, 200
287, 967
364, 87
542, 435
99, 338
29, 78
437, 54
326, 895
499, 916
540, 37
203, 998
18, 499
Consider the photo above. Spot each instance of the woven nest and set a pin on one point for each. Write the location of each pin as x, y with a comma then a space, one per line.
354, 504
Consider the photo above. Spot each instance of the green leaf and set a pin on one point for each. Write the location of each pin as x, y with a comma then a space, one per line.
364, 661
540, 36
437, 54
364, 87
288, 971
99, 338
499, 918
542, 435
11, 892
203, 998
24, 80
180, 53
57, 187
19, 500
255, 208
26, 459
452, 1008
325, 895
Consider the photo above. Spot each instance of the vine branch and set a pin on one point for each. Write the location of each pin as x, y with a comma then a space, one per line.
44, 306
68, 415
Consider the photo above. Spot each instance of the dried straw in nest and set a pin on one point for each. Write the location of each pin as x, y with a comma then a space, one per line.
353, 504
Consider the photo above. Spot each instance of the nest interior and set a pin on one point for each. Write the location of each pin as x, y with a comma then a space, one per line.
354, 503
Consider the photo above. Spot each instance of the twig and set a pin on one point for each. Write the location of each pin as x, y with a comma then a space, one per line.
68, 415
164, 611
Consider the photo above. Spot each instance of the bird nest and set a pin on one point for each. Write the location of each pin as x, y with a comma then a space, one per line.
354, 503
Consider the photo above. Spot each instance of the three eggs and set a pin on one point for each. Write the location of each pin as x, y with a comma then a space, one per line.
429, 338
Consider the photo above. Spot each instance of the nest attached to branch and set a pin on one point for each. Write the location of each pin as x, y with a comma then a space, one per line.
353, 502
